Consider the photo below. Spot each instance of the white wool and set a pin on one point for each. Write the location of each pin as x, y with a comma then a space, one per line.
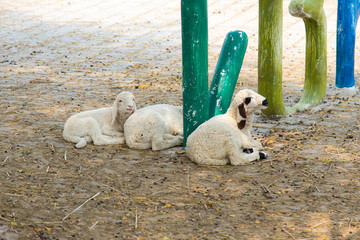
157, 127
220, 140
101, 126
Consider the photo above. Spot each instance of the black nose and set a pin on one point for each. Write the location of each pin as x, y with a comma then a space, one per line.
265, 103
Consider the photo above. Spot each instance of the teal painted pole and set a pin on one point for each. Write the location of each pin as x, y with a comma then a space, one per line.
227, 72
270, 55
313, 15
194, 29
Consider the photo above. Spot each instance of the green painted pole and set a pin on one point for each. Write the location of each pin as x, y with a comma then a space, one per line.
227, 72
270, 55
194, 29
313, 15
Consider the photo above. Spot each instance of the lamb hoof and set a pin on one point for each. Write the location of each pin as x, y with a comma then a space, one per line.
263, 155
81, 143
248, 150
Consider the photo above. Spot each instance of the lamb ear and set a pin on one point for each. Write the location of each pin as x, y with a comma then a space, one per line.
242, 111
114, 112
241, 124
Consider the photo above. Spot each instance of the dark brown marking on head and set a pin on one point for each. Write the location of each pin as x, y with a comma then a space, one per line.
241, 124
242, 111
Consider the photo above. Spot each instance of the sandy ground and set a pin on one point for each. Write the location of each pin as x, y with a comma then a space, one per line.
61, 57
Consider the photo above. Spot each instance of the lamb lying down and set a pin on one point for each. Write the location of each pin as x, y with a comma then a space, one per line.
157, 127
101, 126
226, 138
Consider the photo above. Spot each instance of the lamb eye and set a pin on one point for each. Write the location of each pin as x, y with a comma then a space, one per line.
120, 100
247, 100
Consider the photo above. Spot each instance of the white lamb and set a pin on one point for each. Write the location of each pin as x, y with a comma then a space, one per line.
101, 126
226, 138
158, 127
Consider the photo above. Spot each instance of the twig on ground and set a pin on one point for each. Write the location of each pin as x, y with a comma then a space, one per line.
65, 155
5, 219
307, 188
331, 165
308, 171
14, 194
274, 159
288, 233
110, 187
349, 224
188, 179
354, 153
164, 191
80, 206
93, 225
136, 218
266, 189
317, 225
271, 184
52, 147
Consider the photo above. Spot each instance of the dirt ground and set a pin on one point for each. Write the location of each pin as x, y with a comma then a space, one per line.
309, 188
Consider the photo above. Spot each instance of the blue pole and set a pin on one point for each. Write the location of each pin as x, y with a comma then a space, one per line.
348, 14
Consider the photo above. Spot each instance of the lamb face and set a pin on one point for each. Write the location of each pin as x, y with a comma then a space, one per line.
246, 101
124, 105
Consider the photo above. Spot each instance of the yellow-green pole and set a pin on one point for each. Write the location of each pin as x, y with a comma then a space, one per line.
313, 15
270, 55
